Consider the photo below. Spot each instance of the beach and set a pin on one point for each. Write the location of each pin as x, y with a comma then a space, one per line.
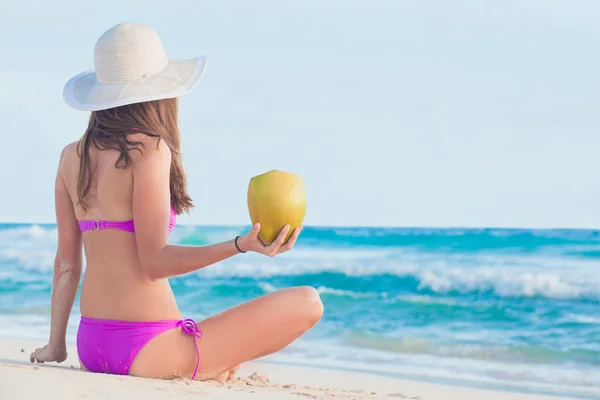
445, 150
262, 380
408, 311
451, 221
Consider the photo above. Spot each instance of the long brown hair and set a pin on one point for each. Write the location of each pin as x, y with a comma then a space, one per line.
112, 129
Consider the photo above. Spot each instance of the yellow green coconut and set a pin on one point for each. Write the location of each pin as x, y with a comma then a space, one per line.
276, 199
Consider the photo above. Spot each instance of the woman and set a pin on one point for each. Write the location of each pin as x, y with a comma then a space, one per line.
118, 190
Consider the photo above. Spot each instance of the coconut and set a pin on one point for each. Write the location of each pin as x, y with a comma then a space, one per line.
276, 199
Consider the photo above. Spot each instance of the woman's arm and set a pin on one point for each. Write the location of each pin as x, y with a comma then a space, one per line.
67, 272
151, 198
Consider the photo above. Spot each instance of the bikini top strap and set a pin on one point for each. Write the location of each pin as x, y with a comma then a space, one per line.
89, 225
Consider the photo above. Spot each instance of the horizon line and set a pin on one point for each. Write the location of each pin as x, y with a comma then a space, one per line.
318, 226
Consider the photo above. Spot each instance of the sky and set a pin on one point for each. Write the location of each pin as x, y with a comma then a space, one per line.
395, 113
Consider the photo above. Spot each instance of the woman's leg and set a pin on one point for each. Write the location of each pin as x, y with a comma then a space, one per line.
245, 332
256, 328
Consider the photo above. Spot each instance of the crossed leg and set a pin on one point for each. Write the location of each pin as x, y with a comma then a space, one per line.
251, 330
256, 328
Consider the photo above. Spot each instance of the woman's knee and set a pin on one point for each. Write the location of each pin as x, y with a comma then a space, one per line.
309, 305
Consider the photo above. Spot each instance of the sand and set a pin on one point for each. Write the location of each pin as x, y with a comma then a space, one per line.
256, 380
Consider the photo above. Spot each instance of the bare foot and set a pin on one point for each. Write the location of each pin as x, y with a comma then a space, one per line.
226, 376
232, 373
221, 378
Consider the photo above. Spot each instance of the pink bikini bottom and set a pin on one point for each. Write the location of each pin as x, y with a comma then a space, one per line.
111, 346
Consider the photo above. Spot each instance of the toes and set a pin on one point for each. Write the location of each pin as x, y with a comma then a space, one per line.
222, 378
232, 373
225, 377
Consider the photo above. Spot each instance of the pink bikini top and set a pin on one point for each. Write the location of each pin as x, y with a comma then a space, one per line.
127, 226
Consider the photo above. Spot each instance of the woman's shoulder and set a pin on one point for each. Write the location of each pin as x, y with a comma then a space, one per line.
68, 153
153, 150
70, 148
69, 160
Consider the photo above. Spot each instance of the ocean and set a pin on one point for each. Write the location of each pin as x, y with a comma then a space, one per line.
515, 309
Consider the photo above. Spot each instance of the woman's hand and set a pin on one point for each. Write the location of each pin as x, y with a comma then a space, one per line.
48, 354
251, 242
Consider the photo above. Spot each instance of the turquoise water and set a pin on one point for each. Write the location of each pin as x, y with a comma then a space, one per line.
517, 309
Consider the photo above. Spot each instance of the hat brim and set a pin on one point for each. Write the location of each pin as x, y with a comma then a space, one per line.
179, 77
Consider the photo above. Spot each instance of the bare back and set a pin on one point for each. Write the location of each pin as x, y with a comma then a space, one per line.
115, 285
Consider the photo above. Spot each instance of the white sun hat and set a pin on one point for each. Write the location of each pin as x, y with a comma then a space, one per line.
131, 66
